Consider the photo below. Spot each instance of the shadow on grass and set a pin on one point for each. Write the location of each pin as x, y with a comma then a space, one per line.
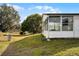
17, 35
34, 46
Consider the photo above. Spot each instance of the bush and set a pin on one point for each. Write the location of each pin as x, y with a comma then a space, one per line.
22, 33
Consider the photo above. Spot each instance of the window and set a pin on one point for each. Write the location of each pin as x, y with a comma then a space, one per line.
54, 23
46, 25
67, 23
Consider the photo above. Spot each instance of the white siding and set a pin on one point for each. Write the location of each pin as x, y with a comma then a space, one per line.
45, 33
60, 34
76, 26
44, 17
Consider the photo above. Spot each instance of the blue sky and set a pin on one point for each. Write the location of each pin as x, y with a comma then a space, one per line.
26, 9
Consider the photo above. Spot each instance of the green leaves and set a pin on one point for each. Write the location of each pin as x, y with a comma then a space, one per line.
32, 23
8, 17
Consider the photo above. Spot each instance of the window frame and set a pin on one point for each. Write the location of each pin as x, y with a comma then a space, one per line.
61, 22
68, 24
54, 23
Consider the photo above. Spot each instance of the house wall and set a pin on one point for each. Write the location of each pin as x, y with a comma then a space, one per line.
45, 33
65, 34
76, 26
60, 34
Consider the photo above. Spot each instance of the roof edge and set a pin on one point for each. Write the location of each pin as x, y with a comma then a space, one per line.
60, 13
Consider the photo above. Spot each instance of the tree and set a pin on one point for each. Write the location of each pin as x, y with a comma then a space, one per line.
9, 18
32, 23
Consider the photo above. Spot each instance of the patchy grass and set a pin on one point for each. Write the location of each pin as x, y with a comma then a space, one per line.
70, 52
32, 45
3, 46
4, 43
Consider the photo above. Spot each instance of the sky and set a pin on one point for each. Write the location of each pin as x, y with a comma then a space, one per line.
26, 9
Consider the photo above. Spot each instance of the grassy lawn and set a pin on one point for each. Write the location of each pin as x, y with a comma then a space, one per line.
32, 45
3, 46
4, 43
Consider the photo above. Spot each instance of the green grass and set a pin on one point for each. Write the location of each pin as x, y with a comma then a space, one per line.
4, 43
70, 52
34, 46
3, 46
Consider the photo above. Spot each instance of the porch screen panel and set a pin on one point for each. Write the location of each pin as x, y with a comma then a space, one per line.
54, 23
67, 23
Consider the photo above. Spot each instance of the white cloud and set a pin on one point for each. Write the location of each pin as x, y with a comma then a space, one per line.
38, 7
46, 9
16, 7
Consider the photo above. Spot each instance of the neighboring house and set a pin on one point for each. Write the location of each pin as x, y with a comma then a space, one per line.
62, 25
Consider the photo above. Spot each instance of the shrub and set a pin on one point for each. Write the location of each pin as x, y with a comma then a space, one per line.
22, 33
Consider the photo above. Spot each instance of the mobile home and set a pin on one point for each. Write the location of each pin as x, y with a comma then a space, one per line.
61, 25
